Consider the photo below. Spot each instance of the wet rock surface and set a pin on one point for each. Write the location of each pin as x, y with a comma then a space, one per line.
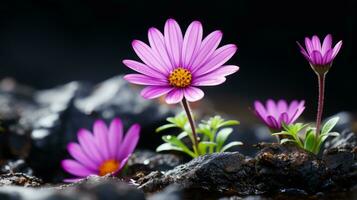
287, 166
141, 163
215, 173
39, 124
19, 179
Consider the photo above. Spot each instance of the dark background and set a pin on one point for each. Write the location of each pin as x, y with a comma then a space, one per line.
47, 43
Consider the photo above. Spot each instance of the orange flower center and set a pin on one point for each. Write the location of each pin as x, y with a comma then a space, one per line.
108, 167
180, 77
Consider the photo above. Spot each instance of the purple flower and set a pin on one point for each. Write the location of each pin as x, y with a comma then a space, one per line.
175, 65
101, 153
275, 113
320, 55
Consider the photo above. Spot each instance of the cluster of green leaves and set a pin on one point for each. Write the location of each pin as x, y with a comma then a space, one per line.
305, 136
214, 132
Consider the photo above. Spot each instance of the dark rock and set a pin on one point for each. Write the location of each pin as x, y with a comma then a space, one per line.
15, 166
346, 139
92, 188
42, 123
288, 166
142, 163
19, 179
341, 164
223, 172
98, 188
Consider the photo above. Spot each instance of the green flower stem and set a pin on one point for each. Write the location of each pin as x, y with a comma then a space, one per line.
321, 80
192, 124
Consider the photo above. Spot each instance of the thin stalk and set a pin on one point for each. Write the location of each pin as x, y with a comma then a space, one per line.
321, 80
187, 109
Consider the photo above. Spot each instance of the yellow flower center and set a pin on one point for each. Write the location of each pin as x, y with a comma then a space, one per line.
180, 77
108, 167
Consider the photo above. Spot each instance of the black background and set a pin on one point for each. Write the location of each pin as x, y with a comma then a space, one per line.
46, 43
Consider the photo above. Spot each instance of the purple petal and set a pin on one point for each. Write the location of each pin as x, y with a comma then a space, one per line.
174, 96
272, 123
219, 57
72, 180
157, 43
221, 72
316, 43
193, 94
143, 69
191, 42
208, 81
152, 92
88, 144
303, 51
282, 106
326, 45
77, 153
146, 54
73, 167
336, 49
283, 118
173, 41
272, 108
327, 57
299, 110
292, 107
260, 110
115, 137
316, 58
130, 141
145, 80
101, 137
208, 46
308, 45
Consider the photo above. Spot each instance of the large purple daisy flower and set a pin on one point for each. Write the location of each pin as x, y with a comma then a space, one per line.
101, 153
273, 114
320, 55
175, 65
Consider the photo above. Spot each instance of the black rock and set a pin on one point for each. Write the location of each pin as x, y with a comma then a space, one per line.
221, 173
42, 123
288, 166
19, 179
15, 166
142, 163
92, 188
341, 164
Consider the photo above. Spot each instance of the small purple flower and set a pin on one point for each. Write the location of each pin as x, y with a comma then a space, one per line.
101, 153
320, 55
275, 113
175, 65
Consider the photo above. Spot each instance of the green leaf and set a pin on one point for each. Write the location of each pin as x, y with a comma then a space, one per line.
328, 126
164, 127
322, 138
230, 145
174, 141
310, 141
222, 136
182, 135
202, 146
229, 123
283, 133
285, 140
168, 147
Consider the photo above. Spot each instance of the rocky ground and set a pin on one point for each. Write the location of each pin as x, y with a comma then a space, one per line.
37, 125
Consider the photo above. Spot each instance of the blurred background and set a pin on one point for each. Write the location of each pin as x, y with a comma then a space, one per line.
48, 43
